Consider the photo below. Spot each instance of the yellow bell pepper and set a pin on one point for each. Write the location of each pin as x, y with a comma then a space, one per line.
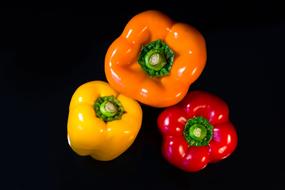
101, 122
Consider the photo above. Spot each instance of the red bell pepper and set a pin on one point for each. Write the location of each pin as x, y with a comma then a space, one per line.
197, 131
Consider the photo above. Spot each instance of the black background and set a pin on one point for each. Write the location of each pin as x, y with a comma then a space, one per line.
49, 50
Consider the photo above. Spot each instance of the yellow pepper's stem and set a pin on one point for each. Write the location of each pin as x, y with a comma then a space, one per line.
108, 108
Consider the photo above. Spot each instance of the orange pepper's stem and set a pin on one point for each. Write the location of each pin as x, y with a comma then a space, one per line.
156, 58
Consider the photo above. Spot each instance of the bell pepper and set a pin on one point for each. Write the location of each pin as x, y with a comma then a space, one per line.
101, 122
155, 60
197, 131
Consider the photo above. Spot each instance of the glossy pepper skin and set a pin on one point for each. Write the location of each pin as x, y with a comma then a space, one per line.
155, 60
101, 122
197, 131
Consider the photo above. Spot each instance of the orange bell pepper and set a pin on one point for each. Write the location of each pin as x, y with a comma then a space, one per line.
155, 60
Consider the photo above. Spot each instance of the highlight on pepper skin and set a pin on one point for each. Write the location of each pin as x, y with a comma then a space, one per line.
197, 131
155, 60
101, 122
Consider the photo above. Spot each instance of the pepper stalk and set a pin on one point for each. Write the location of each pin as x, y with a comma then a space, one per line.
156, 58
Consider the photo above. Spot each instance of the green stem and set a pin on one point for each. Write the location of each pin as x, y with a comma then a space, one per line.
108, 108
198, 131
156, 58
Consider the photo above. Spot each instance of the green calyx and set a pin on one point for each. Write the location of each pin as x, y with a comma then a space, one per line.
198, 131
156, 58
108, 108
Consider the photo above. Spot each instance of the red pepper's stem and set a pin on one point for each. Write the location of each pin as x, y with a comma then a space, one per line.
198, 131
